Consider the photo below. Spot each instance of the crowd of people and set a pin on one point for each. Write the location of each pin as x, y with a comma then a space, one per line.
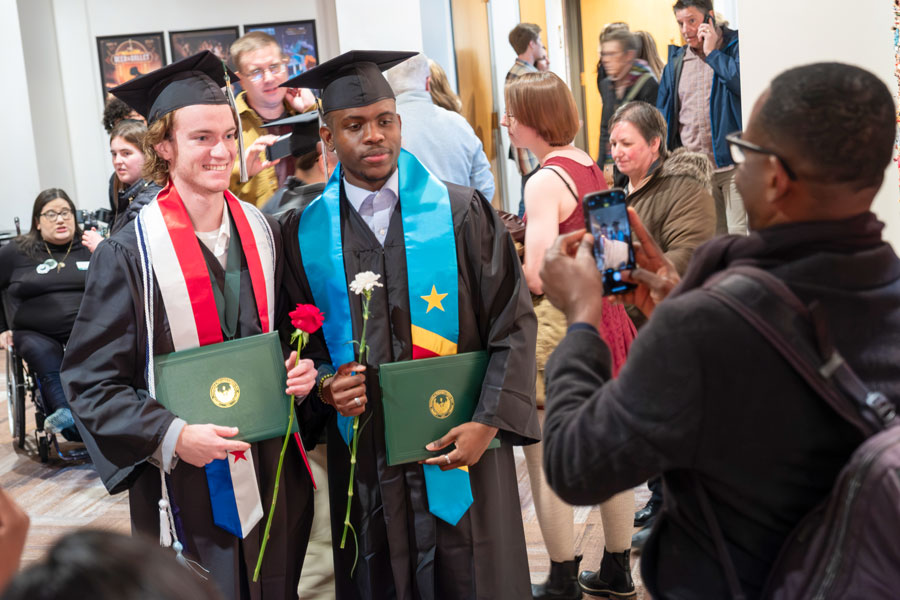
377, 210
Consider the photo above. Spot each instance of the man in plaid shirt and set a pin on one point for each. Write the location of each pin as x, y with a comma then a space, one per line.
525, 38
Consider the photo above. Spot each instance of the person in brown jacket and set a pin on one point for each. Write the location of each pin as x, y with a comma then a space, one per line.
670, 191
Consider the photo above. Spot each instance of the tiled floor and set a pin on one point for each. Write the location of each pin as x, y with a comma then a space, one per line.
61, 496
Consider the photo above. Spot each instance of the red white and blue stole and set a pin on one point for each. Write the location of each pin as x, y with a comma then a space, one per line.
171, 251
433, 294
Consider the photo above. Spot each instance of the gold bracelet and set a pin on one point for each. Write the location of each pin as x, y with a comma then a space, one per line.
322, 384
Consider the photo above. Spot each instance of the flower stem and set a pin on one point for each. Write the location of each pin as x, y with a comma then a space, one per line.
287, 436
353, 444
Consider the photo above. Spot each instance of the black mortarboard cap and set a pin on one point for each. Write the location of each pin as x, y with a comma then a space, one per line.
352, 79
197, 79
304, 131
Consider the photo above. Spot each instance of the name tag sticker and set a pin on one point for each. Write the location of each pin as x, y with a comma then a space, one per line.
82, 264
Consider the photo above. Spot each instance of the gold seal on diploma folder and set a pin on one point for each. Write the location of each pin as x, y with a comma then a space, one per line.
424, 399
234, 384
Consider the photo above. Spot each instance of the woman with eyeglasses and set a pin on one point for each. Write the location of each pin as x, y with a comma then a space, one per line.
541, 116
42, 276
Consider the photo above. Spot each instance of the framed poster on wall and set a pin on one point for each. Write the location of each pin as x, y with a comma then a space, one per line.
297, 40
124, 57
218, 41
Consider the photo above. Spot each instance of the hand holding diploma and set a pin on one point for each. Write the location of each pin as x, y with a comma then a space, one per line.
199, 445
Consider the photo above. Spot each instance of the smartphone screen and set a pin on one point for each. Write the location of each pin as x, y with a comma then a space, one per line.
280, 149
606, 217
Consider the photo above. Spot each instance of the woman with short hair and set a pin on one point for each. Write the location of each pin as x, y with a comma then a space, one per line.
541, 116
670, 191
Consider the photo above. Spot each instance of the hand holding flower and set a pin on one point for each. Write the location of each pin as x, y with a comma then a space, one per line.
307, 319
301, 376
344, 389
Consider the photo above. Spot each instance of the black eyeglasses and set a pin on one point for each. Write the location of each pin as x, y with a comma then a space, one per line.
52, 215
737, 145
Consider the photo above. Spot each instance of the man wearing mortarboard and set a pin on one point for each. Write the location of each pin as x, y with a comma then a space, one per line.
197, 267
452, 283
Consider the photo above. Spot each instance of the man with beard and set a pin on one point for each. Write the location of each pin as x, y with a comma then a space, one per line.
445, 259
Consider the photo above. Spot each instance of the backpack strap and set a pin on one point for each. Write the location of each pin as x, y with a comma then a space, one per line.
800, 335
731, 577
563, 179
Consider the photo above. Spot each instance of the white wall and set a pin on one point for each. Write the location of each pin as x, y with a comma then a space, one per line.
63, 77
437, 36
806, 33
18, 165
365, 25
503, 15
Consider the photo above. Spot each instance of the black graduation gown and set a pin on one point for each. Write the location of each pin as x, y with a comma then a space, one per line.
103, 372
405, 552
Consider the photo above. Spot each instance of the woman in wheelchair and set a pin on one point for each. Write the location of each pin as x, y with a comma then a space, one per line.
43, 274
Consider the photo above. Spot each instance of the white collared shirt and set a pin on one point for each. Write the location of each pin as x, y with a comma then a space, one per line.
217, 240
383, 202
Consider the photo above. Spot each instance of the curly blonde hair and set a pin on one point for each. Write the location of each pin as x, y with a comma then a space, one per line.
156, 168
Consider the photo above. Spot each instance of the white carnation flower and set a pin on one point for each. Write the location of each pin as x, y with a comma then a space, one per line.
365, 282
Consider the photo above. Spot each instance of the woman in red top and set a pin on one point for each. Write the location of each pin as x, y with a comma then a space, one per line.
541, 116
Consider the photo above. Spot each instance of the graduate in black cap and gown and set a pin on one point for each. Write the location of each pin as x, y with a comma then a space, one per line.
196, 267
452, 284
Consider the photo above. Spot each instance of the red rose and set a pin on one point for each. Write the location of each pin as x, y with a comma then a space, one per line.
307, 318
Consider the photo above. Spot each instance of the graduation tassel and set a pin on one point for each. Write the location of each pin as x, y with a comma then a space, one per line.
229, 93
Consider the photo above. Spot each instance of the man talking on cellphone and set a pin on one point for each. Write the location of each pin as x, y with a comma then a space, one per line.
700, 98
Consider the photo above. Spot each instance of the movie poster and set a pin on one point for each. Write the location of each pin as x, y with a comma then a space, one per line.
218, 41
124, 57
297, 41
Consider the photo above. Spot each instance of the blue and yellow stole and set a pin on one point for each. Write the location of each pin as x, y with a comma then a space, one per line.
433, 292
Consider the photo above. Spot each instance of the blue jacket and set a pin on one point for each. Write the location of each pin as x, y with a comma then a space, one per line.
724, 101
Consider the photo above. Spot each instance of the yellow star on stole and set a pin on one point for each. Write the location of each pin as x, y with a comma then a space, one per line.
434, 300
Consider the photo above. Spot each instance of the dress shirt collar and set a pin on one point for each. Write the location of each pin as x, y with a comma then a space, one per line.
222, 236
357, 195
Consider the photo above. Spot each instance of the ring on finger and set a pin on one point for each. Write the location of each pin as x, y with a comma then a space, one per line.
447, 456
357, 401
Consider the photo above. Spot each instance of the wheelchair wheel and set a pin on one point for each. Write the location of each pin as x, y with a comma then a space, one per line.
15, 397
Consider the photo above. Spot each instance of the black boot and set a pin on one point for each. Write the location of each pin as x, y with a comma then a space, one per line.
561, 584
613, 579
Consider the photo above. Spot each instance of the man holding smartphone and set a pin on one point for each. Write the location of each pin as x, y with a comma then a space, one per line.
706, 401
262, 68
700, 98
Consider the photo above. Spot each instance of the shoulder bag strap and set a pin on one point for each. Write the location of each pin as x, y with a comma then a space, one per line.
800, 335
636, 87
731, 577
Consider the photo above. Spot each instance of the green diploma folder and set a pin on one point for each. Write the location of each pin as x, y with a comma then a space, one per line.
424, 399
239, 383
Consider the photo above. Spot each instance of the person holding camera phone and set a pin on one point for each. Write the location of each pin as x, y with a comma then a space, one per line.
705, 401
262, 68
541, 117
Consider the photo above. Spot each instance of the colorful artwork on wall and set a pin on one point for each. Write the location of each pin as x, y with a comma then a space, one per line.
124, 57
